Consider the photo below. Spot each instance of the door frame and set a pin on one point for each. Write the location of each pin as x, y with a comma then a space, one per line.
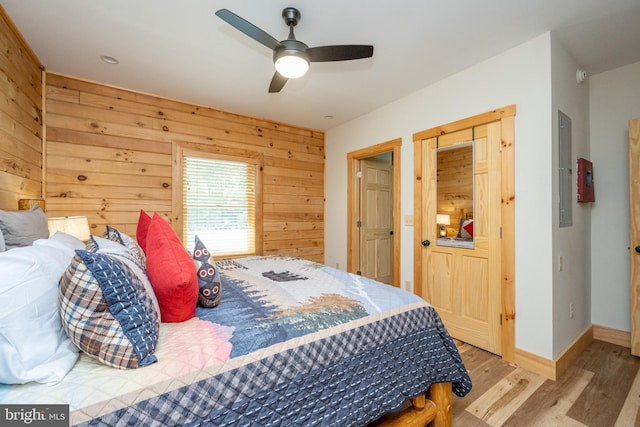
506, 116
353, 159
634, 234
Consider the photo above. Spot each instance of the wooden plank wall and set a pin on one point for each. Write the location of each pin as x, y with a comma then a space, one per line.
109, 154
20, 118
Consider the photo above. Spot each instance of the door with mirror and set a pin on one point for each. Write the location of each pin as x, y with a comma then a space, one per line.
461, 229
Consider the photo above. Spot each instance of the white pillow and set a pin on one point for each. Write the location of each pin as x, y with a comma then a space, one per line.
33, 345
2, 247
64, 241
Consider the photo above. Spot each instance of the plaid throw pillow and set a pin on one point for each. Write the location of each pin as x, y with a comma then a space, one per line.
106, 311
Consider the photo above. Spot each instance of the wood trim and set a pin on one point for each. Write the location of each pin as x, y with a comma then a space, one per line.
612, 336
552, 369
534, 363
43, 187
469, 122
177, 196
575, 349
180, 148
353, 157
634, 233
417, 216
508, 224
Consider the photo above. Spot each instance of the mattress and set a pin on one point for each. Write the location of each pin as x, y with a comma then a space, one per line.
292, 342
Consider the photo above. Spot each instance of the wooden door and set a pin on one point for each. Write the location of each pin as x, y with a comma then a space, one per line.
376, 219
464, 283
634, 232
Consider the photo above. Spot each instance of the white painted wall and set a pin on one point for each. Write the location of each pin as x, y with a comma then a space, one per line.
520, 76
572, 285
614, 99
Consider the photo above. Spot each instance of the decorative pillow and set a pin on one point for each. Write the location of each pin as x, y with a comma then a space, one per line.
143, 228
22, 228
106, 311
33, 344
466, 229
2, 246
210, 285
136, 251
109, 247
171, 272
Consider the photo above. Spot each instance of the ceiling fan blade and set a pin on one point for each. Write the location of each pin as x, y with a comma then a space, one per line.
277, 82
339, 53
247, 28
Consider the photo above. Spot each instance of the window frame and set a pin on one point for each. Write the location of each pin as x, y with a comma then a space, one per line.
189, 149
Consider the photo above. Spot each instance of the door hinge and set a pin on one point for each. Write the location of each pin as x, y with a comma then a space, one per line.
500, 319
501, 232
359, 224
359, 174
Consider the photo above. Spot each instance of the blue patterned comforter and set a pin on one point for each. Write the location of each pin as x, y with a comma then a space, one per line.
292, 343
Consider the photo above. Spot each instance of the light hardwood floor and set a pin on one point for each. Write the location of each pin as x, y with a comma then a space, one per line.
600, 389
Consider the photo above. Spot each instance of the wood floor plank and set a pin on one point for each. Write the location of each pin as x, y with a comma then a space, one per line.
483, 377
474, 357
629, 415
501, 401
614, 371
465, 419
549, 405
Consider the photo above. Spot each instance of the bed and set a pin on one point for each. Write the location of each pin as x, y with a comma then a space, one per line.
289, 342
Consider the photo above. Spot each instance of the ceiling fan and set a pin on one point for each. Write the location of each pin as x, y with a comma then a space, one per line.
292, 57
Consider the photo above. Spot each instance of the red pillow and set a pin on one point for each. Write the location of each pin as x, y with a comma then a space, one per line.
143, 228
468, 227
171, 272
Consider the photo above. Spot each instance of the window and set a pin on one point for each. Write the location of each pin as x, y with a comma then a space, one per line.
221, 203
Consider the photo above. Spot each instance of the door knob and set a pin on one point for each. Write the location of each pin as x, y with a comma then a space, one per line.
426, 243
638, 249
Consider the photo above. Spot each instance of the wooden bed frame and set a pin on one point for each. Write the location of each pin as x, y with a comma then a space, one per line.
433, 408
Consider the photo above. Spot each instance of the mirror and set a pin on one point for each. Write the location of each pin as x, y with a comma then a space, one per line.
455, 195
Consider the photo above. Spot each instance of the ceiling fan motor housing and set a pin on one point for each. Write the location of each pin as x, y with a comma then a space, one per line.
291, 48
291, 16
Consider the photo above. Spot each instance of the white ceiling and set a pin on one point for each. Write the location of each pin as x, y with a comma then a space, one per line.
181, 50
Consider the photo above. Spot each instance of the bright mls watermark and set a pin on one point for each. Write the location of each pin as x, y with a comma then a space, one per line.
34, 415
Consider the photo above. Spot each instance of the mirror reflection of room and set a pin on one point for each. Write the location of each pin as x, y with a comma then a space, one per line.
455, 195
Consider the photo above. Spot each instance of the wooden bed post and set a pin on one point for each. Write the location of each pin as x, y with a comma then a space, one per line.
433, 409
440, 394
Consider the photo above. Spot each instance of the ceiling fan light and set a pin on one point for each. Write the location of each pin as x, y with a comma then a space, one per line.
292, 66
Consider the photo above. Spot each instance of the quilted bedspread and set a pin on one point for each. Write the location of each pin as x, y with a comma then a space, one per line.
292, 343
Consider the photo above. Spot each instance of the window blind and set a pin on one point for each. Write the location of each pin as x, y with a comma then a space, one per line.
219, 205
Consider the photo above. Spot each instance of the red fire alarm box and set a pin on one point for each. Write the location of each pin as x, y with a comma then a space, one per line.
585, 181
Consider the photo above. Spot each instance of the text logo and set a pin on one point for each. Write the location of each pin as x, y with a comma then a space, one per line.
34, 415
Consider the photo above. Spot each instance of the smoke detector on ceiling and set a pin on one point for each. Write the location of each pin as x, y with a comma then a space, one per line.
581, 76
